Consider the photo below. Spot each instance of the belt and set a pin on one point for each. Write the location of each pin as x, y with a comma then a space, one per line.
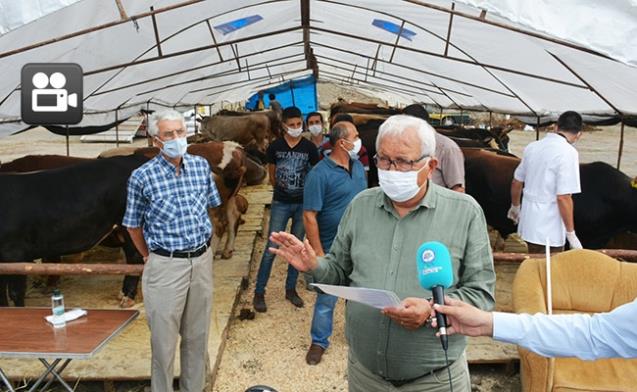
400, 383
183, 254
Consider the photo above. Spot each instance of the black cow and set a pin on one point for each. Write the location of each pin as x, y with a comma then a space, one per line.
607, 205
61, 211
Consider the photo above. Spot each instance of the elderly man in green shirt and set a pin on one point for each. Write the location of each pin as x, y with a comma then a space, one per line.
375, 247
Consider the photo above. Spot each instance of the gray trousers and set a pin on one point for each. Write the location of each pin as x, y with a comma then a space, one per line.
178, 301
360, 379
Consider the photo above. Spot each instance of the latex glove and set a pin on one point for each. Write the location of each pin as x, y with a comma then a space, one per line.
573, 241
514, 214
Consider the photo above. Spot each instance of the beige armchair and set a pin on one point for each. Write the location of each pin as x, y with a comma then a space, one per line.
583, 281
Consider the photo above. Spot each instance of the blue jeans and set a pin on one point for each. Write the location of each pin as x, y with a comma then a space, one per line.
322, 319
280, 213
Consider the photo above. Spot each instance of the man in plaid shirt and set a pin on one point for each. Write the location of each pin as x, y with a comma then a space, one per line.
167, 218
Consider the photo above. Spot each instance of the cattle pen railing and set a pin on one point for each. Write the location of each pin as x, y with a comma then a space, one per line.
7, 268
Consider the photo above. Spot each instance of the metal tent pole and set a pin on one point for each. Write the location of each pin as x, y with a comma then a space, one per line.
116, 127
67, 139
621, 144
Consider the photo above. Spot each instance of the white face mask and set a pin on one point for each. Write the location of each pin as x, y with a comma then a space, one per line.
295, 132
353, 153
399, 186
315, 129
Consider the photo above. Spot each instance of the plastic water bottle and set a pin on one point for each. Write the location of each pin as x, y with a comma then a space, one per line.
57, 305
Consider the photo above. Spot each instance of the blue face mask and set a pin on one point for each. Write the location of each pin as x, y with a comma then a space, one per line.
175, 148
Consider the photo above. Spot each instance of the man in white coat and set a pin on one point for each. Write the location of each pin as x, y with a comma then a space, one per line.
549, 175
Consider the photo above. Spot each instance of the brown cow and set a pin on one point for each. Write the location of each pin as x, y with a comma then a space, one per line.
251, 130
31, 163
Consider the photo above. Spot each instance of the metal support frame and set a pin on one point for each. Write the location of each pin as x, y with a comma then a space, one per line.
195, 120
117, 127
537, 129
482, 19
424, 72
214, 39
400, 31
473, 61
621, 144
67, 140
157, 40
97, 28
453, 7
5, 381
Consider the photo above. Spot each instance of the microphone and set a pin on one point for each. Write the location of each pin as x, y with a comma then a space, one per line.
435, 273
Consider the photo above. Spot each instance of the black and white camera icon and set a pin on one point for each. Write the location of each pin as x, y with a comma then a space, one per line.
51, 93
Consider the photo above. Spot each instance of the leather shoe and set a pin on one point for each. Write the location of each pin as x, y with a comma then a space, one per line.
292, 296
314, 354
259, 303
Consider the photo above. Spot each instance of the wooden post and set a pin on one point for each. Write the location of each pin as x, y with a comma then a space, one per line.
70, 269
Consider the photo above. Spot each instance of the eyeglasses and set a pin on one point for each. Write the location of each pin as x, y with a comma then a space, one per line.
400, 164
171, 134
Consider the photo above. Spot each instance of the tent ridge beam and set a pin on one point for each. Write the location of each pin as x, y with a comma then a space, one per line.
97, 28
507, 27
474, 63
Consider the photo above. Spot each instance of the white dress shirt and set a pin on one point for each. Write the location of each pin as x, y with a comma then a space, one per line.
549, 167
602, 335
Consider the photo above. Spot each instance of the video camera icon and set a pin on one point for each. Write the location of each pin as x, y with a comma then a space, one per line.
51, 93
56, 99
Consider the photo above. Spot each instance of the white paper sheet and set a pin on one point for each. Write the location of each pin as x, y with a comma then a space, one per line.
372, 297
69, 315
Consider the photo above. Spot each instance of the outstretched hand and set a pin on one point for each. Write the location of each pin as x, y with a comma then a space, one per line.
464, 319
299, 254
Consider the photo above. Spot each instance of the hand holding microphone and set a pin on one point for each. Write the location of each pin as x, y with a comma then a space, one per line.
435, 273
464, 319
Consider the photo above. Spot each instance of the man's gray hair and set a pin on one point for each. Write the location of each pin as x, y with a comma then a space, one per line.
396, 125
169, 114
339, 131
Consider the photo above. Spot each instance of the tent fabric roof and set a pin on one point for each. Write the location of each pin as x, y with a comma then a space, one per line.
501, 56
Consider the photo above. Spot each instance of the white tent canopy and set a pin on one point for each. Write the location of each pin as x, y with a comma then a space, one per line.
501, 56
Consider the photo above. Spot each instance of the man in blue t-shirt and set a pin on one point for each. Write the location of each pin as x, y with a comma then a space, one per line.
329, 188
289, 160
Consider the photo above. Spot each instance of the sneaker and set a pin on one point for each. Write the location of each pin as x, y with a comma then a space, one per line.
314, 354
259, 303
292, 296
